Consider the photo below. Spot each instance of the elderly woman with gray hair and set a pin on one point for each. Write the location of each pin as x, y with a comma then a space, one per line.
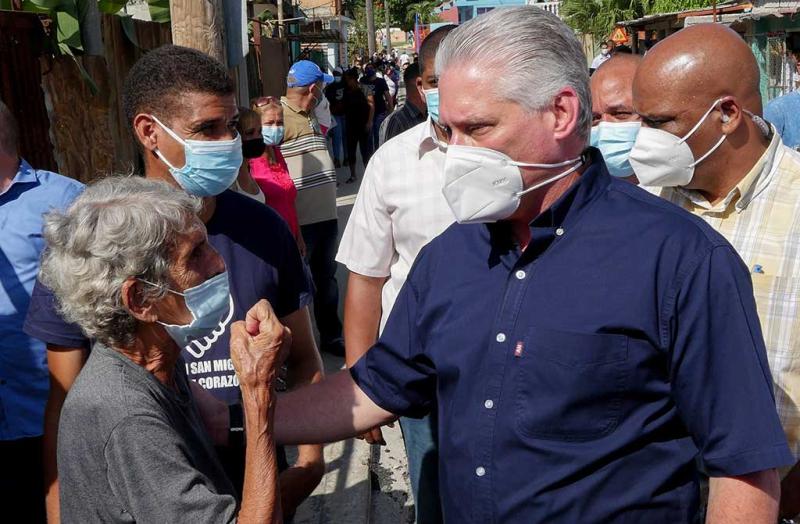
130, 263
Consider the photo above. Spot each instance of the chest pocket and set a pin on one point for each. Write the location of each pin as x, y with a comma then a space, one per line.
570, 385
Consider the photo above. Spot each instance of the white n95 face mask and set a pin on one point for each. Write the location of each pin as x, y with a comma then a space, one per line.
662, 159
483, 185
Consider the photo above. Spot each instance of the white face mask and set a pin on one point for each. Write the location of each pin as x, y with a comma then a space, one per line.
662, 159
483, 185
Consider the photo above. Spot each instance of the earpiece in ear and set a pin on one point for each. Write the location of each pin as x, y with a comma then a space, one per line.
725, 118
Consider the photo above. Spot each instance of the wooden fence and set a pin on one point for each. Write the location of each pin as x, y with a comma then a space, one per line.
64, 126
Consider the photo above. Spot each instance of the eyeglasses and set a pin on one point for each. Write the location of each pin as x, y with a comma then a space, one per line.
265, 101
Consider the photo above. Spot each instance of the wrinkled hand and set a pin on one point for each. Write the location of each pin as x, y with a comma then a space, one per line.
259, 345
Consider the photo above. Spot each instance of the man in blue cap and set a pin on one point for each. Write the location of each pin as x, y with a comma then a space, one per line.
313, 172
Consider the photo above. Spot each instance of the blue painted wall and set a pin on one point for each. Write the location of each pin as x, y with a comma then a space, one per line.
468, 9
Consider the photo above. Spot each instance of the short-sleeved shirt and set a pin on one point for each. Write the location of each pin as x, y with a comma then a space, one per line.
782, 113
335, 94
131, 449
275, 182
263, 262
760, 217
305, 150
24, 381
580, 379
376, 88
399, 209
356, 110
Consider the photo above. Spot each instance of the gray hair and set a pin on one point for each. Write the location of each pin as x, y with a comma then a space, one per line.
120, 227
9, 131
535, 52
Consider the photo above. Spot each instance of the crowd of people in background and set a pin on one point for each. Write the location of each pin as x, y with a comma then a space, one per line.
577, 288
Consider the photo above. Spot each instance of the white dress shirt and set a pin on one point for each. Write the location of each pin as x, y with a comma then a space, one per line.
398, 210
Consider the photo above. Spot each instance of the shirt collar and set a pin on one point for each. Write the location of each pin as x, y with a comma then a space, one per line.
428, 141
748, 187
412, 110
25, 175
285, 102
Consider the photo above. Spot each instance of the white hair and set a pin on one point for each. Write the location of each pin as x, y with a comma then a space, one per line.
529, 52
118, 228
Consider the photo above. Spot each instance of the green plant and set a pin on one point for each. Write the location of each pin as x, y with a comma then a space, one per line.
67, 16
598, 17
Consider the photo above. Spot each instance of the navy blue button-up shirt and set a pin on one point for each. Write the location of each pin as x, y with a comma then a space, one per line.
579, 380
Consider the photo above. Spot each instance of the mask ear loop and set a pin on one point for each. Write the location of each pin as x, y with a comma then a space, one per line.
175, 136
710, 151
580, 162
161, 287
700, 122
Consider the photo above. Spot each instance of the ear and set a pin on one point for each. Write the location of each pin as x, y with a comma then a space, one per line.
566, 111
134, 302
146, 130
730, 115
421, 91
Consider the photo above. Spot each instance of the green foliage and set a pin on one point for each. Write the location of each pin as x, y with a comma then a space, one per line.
424, 9
357, 39
670, 6
159, 10
598, 17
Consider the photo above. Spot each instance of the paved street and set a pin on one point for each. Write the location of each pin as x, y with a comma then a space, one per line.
363, 484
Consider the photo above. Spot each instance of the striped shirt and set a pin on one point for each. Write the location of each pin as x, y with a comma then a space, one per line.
310, 166
760, 217
400, 121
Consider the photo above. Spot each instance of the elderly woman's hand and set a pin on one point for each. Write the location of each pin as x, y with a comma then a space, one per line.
259, 345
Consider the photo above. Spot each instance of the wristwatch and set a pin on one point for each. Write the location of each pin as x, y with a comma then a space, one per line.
235, 426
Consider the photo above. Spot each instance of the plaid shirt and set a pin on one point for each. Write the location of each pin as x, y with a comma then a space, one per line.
760, 217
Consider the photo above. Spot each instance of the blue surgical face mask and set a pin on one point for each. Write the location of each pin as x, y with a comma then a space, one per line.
208, 303
432, 101
211, 165
273, 135
615, 141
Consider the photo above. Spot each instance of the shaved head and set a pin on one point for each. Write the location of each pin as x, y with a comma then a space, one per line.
700, 64
702, 84
612, 89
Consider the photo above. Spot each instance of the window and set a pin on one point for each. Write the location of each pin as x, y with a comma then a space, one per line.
482, 10
465, 14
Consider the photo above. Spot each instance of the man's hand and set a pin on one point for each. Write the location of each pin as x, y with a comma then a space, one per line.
375, 435
297, 483
259, 345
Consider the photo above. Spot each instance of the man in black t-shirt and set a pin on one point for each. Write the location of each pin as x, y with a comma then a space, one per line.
335, 94
380, 100
357, 113
174, 95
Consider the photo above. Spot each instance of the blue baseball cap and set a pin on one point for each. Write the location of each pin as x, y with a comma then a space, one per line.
305, 73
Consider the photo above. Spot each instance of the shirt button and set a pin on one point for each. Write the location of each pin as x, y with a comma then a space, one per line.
489, 404
480, 471
501, 337
559, 231
520, 274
